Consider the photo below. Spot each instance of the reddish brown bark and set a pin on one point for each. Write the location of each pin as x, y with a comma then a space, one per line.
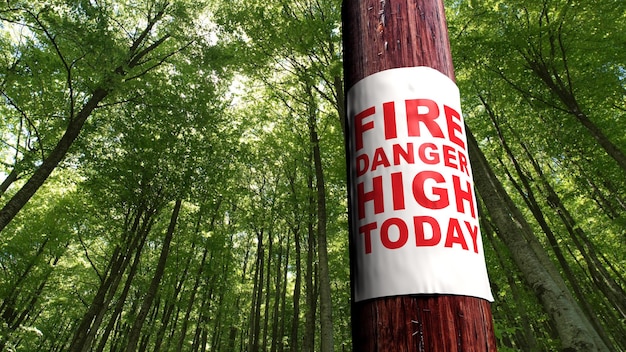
380, 35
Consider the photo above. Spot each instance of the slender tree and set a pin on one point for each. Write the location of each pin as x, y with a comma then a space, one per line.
134, 333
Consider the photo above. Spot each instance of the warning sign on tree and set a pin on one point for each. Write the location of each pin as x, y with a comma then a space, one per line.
414, 209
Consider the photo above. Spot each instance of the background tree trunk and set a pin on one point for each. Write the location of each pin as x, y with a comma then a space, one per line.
311, 292
326, 320
135, 331
573, 327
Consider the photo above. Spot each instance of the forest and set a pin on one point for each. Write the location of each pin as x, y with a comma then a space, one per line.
173, 172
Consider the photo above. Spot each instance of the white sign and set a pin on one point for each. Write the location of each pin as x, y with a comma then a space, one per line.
414, 209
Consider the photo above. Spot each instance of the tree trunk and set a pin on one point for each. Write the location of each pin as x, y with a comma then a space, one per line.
133, 239
8, 310
192, 300
170, 303
549, 75
268, 296
6, 183
573, 328
119, 306
308, 343
135, 331
606, 283
21, 197
326, 320
528, 337
18, 320
283, 299
295, 320
218, 329
276, 338
294, 342
141, 238
257, 295
201, 321
527, 193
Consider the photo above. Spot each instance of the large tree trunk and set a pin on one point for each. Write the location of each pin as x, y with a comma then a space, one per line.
606, 283
527, 192
573, 327
528, 340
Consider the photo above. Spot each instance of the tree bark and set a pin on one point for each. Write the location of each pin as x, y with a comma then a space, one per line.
606, 283
526, 191
8, 181
529, 341
378, 36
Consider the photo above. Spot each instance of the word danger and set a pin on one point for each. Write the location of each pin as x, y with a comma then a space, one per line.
430, 154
